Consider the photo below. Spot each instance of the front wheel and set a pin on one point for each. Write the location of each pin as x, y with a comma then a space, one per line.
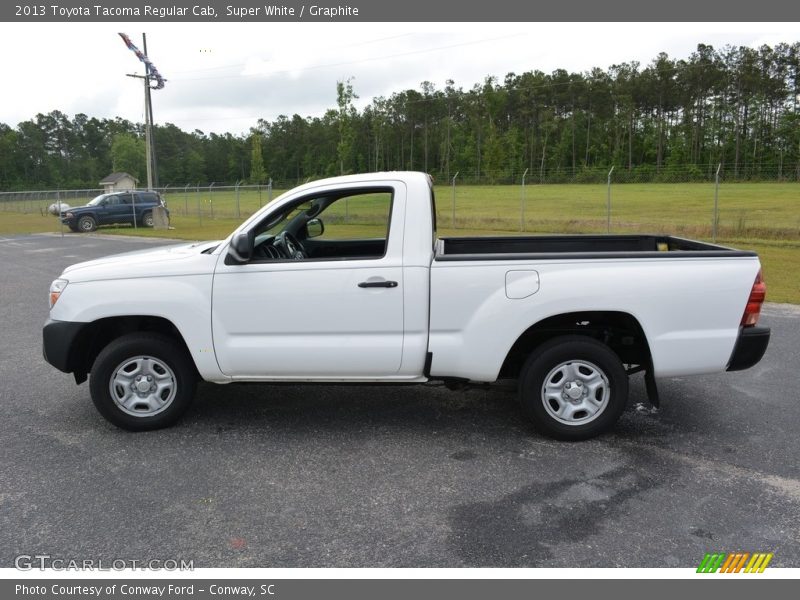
87, 224
573, 388
142, 381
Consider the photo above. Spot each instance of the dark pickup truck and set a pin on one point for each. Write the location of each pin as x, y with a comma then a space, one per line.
114, 208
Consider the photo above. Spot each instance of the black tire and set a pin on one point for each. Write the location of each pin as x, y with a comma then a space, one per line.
147, 219
167, 361
590, 370
87, 224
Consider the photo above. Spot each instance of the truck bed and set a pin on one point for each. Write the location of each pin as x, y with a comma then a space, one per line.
544, 247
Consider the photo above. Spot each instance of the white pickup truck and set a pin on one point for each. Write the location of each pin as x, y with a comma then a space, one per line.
345, 280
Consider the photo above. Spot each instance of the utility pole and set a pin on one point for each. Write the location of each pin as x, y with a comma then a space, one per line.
148, 138
151, 74
152, 170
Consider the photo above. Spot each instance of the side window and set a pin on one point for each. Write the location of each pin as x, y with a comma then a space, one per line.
146, 197
358, 217
113, 200
124, 199
334, 226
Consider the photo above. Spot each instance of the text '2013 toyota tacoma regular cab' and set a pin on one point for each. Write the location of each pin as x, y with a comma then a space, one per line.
344, 280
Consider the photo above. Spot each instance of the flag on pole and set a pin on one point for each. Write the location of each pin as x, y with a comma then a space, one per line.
152, 72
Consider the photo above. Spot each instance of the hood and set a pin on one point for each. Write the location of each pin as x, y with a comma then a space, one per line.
174, 260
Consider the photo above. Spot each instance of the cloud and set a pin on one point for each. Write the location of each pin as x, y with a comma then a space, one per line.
224, 77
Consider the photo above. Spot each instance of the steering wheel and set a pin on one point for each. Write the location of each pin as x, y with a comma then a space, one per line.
290, 246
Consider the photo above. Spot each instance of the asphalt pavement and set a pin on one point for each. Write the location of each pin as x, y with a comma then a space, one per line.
412, 476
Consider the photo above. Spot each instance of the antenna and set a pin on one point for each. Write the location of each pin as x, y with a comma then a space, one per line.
152, 76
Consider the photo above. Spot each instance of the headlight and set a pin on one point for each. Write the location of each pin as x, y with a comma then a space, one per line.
55, 290
68, 215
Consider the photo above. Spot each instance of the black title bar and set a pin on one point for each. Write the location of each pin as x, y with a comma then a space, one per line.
229, 11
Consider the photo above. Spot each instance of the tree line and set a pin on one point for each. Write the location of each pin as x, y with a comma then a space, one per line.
735, 106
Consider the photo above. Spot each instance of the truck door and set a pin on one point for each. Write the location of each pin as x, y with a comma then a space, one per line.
329, 307
115, 208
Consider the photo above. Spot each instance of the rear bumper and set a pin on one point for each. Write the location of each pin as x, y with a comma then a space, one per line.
58, 339
750, 347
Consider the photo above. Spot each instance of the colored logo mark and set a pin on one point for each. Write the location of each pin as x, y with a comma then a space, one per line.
735, 562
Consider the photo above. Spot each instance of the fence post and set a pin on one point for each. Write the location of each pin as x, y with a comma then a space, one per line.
60, 221
133, 204
211, 198
454, 199
186, 200
270, 190
199, 204
164, 194
715, 221
608, 202
238, 214
522, 204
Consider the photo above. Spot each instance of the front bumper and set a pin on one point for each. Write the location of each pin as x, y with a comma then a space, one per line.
58, 342
750, 347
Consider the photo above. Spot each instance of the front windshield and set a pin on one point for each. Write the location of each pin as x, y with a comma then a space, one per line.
98, 200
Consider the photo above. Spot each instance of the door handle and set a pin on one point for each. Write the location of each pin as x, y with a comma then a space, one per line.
374, 284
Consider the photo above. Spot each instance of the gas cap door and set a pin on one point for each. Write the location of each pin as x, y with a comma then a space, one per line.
521, 284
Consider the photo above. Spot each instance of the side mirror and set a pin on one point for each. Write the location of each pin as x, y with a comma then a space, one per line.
314, 228
241, 248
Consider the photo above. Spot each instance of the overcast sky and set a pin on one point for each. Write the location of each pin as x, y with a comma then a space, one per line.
224, 77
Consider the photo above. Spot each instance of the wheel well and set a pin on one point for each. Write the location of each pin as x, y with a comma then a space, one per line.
98, 334
619, 331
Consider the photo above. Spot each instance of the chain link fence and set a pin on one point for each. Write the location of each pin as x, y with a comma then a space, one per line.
232, 200
708, 203
753, 173
215, 201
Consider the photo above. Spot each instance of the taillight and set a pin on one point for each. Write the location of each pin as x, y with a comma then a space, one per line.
757, 295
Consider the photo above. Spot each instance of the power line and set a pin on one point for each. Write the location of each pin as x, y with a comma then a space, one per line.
244, 64
354, 62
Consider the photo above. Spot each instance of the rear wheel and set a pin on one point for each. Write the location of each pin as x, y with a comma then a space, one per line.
142, 381
573, 388
87, 224
147, 219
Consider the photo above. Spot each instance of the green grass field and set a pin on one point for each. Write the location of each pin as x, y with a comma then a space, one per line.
764, 217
